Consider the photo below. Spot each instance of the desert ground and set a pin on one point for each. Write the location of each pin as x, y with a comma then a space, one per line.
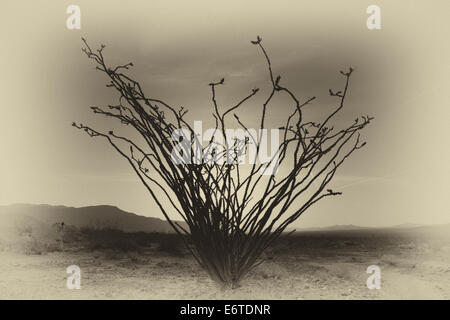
329, 264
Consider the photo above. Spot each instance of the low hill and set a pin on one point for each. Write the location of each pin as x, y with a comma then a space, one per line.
102, 216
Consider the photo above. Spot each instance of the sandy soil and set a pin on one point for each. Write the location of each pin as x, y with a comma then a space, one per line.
313, 265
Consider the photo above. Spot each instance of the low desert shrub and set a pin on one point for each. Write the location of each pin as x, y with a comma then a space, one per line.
171, 244
109, 239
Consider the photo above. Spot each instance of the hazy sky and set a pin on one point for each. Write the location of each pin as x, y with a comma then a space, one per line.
178, 47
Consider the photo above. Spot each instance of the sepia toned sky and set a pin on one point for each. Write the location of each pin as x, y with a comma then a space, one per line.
178, 47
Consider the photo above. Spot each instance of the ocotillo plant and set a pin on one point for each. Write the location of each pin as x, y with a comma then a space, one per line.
232, 213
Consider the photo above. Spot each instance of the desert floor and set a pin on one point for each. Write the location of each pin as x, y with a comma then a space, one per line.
306, 265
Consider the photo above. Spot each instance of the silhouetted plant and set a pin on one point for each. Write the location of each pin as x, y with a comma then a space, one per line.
233, 215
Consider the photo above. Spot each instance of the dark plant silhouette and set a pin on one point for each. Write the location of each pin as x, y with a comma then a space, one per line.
232, 214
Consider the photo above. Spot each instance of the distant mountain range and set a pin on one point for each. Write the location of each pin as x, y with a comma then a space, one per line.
342, 227
337, 227
408, 225
102, 216
105, 216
